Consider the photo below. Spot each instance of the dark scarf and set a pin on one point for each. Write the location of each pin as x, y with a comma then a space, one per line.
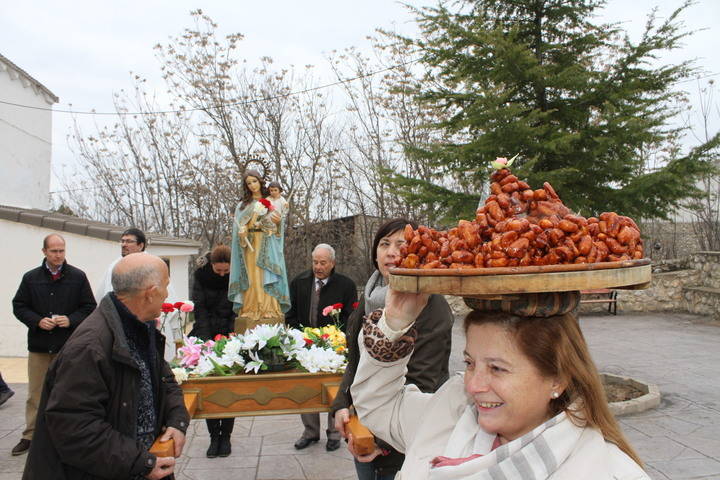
209, 279
140, 338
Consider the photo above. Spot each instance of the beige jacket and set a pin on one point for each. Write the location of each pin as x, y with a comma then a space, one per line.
420, 424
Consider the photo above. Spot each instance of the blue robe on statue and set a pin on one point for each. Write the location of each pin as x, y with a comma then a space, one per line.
258, 279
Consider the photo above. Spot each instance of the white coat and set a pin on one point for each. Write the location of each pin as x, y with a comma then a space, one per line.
420, 425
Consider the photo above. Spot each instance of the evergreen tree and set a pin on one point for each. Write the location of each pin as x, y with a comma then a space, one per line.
584, 107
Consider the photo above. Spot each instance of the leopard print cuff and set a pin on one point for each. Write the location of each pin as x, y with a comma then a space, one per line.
382, 349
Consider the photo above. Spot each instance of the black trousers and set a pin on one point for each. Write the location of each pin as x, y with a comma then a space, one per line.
220, 427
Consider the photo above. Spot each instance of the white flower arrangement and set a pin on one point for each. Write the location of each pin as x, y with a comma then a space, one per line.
315, 359
266, 347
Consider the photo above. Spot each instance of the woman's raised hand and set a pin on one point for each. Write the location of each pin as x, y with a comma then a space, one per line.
402, 308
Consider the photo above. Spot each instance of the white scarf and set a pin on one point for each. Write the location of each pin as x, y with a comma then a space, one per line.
534, 456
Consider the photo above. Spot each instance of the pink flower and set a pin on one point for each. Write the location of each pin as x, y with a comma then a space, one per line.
501, 160
187, 307
190, 354
326, 311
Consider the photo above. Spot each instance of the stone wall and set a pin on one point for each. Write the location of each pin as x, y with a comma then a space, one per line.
694, 288
708, 264
690, 284
665, 294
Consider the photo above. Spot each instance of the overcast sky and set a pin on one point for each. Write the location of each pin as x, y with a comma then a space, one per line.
84, 50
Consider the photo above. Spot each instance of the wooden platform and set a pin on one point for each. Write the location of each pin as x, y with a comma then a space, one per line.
484, 282
264, 394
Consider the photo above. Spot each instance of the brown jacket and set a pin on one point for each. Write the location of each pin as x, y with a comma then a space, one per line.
428, 366
87, 415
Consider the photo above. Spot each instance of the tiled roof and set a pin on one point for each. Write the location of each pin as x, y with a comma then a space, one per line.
81, 226
28, 77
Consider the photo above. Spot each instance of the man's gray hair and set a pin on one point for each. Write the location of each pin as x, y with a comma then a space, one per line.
132, 281
326, 247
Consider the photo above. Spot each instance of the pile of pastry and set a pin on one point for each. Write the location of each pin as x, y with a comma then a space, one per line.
519, 226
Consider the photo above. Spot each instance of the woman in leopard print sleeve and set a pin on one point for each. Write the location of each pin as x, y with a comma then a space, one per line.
428, 367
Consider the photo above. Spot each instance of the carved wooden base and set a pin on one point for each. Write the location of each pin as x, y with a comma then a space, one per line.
264, 394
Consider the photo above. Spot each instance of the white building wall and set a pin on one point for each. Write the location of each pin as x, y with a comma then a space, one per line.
25, 143
23, 244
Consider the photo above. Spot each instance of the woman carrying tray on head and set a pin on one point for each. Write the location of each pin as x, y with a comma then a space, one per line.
428, 366
530, 404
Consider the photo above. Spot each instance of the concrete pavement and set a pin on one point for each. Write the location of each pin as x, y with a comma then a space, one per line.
678, 440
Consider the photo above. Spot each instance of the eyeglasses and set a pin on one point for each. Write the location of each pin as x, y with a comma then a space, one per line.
123, 242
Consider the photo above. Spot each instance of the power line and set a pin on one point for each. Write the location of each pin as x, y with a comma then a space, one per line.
230, 104
122, 184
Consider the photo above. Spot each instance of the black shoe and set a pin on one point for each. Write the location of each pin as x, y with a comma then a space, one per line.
214, 447
332, 445
305, 442
225, 448
5, 396
22, 447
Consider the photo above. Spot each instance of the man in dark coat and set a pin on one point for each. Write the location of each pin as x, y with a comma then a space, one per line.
310, 293
52, 300
330, 288
109, 394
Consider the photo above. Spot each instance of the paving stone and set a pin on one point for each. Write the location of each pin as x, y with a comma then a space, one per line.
233, 473
688, 467
652, 449
219, 463
269, 426
12, 464
280, 467
325, 467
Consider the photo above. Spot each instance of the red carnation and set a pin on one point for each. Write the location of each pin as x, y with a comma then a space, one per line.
178, 305
355, 305
219, 337
325, 336
308, 341
167, 307
266, 203
338, 306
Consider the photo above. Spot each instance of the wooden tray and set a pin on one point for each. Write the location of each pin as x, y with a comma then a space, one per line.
264, 394
489, 282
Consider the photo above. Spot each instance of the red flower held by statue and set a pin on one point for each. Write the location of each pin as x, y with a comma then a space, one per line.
355, 305
266, 203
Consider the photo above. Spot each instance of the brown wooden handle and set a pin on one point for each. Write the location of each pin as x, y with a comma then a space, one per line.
163, 449
363, 439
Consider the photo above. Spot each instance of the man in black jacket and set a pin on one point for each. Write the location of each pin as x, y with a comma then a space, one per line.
109, 393
52, 300
310, 293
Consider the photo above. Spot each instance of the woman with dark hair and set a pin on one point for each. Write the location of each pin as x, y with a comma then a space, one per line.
428, 366
214, 316
258, 280
530, 404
